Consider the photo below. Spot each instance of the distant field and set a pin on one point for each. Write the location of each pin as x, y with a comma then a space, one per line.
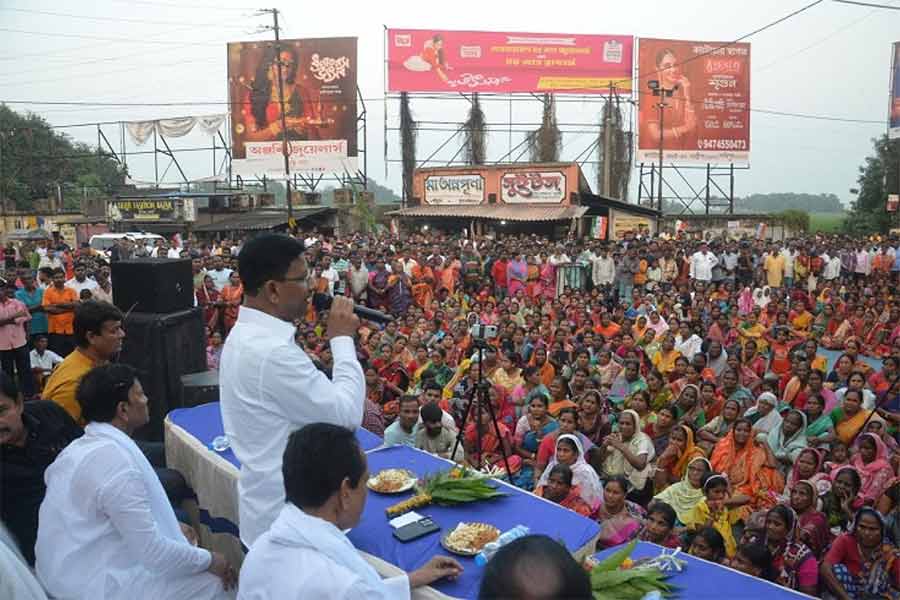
826, 222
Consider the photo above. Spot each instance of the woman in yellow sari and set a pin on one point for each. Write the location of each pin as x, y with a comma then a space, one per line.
801, 320
848, 418
751, 469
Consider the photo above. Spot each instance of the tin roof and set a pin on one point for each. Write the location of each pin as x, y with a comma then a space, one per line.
499, 212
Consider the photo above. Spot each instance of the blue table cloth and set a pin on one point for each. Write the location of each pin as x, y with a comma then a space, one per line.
703, 579
204, 422
374, 535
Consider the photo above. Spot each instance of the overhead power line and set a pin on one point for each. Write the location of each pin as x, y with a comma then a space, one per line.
869, 4
740, 39
103, 39
51, 13
378, 99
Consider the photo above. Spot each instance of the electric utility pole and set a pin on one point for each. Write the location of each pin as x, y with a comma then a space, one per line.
662, 93
285, 147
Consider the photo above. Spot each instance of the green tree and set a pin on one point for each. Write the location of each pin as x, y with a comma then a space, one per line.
878, 177
797, 220
37, 162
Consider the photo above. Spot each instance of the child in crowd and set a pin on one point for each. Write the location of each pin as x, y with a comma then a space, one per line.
659, 526
713, 511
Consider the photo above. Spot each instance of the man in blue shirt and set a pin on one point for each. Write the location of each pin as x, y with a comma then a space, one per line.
31, 296
403, 430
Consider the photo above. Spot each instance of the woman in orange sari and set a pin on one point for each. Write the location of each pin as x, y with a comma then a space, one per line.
422, 285
848, 418
751, 469
231, 296
672, 463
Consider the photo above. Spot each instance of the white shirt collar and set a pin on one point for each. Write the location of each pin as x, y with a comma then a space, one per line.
263, 319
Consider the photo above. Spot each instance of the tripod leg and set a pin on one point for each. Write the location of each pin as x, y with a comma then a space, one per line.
503, 452
460, 436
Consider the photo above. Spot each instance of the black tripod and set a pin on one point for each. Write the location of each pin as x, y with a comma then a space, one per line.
479, 397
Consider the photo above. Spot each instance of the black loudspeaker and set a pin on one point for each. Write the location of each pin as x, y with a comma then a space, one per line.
163, 347
153, 285
199, 388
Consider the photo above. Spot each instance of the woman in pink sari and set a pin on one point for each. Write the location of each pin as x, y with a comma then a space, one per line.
872, 463
547, 278
620, 519
516, 274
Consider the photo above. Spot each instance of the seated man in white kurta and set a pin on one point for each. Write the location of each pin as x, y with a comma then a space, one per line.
106, 530
305, 553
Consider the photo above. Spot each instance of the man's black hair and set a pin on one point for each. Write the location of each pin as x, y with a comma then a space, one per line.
431, 413
535, 566
431, 384
102, 389
90, 317
316, 460
267, 257
8, 387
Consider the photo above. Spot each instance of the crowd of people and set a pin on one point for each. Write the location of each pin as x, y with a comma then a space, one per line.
738, 398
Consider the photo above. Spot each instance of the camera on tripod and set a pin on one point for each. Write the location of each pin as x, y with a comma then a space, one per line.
483, 332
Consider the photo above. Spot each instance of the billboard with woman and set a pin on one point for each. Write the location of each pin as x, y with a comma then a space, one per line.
319, 100
420, 60
705, 91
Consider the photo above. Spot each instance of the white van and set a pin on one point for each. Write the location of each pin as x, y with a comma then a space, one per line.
103, 242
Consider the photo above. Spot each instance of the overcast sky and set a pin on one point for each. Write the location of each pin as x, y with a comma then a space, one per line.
832, 60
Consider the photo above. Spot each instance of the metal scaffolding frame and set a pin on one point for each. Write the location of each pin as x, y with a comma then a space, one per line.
686, 189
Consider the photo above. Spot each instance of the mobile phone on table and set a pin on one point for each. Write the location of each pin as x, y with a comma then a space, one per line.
416, 529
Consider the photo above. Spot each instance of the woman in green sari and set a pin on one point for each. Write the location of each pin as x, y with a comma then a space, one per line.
820, 427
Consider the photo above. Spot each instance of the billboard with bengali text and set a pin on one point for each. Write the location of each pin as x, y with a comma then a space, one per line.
707, 118
319, 99
502, 62
894, 110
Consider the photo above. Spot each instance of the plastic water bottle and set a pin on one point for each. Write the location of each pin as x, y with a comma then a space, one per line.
220, 443
490, 549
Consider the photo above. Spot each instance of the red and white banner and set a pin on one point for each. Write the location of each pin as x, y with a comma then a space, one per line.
266, 158
503, 62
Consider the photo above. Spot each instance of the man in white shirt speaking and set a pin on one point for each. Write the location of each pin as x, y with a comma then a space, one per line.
268, 384
305, 553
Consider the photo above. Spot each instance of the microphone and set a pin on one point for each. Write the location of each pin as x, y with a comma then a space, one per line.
322, 302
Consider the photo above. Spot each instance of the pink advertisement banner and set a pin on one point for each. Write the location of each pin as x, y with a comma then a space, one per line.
502, 62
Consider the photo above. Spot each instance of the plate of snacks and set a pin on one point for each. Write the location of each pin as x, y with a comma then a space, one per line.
392, 481
468, 539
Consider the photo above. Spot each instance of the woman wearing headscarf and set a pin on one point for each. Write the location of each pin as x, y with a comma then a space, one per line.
861, 564
875, 471
788, 439
672, 463
628, 453
840, 502
687, 493
807, 467
761, 297
751, 468
794, 563
764, 415
570, 452
812, 525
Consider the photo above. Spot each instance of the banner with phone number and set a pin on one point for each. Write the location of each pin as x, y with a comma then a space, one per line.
707, 117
